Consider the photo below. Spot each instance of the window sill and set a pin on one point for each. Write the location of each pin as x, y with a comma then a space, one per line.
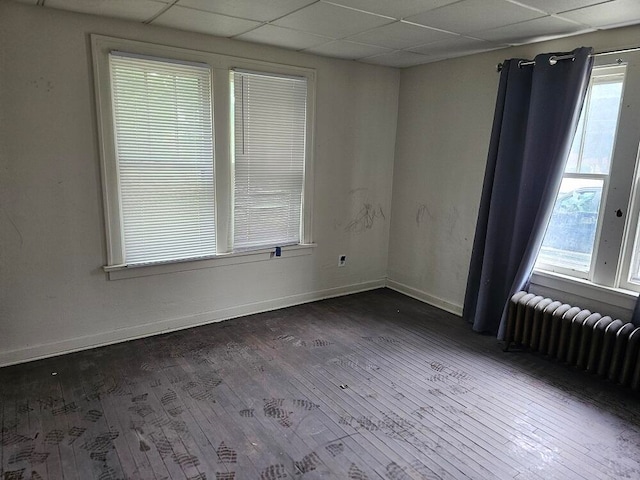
617, 297
119, 272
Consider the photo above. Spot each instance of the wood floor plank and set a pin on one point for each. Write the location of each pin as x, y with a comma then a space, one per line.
260, 397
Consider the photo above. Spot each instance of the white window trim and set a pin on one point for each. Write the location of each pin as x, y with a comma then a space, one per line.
220, 66
611, 266
561, 283
119, 272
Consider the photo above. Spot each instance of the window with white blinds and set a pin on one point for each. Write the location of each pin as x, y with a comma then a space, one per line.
186, 178
162, 116
269, 129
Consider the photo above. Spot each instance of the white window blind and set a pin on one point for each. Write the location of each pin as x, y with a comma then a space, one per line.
269, 157
164, 146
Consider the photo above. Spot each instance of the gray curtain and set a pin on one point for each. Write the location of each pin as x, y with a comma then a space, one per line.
537, 112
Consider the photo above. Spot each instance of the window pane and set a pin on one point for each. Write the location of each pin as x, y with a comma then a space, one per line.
571, 234
164, 141
574, 154
600, 128
269, 156
634, 271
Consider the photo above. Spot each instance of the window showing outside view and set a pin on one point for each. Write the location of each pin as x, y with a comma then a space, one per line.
571, 235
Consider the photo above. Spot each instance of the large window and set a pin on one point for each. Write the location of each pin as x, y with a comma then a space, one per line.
203, 155
593, 225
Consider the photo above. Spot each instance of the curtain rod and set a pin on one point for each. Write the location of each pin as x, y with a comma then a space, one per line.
556, 58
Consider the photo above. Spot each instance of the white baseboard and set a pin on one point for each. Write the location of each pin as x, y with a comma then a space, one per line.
36, 352
424, 297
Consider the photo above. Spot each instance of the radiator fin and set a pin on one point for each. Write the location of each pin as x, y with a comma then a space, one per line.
597, 341
586, 338
606, 352
630, 357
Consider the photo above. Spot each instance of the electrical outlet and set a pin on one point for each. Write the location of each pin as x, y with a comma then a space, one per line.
342, 260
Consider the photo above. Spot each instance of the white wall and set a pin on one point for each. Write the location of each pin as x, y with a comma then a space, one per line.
444, 125
54, 296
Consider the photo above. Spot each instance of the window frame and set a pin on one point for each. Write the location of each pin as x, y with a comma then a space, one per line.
248, 105
632, 117
606, 282
598, 77
220, 67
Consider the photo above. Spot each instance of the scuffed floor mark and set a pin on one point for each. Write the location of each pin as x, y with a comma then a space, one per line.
356, 474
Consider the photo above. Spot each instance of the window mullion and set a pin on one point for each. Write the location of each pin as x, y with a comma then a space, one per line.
585, 123
223, 171
598, 176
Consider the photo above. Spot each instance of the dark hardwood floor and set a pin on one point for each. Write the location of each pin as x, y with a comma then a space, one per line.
369, 386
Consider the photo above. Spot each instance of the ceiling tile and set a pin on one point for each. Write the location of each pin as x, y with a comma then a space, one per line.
139, 10
459, 45
283, 37
471, 16
617, 12
400, 59
532, 31
204, 22
347, 50
331, 21
400, 35
396, 8
556, 6
261, 10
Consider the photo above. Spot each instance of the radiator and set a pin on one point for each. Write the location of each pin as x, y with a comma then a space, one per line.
589, 341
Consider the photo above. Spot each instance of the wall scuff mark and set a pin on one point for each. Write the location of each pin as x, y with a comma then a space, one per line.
366, 217
421, 212
15, 227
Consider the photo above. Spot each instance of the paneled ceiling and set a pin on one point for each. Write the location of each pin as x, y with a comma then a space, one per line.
397, 33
